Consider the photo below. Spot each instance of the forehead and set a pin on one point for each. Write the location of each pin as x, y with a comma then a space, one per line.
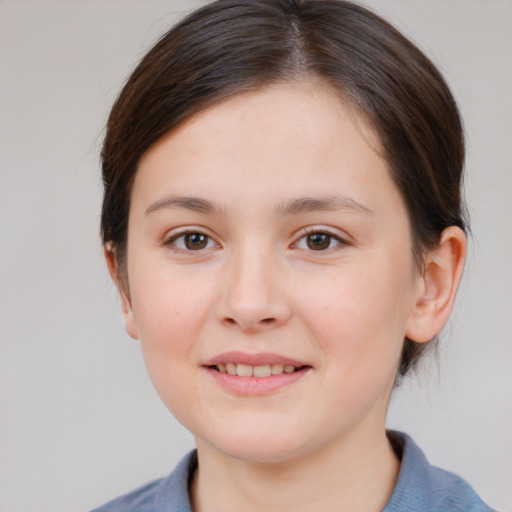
285, 140
295, 106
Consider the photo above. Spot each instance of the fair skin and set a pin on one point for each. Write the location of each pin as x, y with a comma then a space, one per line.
266, 231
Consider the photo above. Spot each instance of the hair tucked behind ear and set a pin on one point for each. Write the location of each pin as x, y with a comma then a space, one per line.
230, 46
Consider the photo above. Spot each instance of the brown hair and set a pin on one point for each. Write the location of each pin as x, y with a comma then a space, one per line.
230, 46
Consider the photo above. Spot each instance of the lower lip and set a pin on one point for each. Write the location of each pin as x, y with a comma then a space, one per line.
256, 386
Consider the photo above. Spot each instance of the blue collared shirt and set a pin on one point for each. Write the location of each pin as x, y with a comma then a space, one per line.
420, 487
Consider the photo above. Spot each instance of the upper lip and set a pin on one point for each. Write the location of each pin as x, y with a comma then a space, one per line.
259, 359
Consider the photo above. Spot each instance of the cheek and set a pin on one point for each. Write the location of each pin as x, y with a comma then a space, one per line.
169, 312
169, 316
359, 317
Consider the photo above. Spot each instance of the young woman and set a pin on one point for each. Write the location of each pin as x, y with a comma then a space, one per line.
283, 219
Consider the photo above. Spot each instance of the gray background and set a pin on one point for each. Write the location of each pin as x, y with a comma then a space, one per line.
80, 422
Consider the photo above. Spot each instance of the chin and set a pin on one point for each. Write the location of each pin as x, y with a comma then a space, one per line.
268, 445
262, 453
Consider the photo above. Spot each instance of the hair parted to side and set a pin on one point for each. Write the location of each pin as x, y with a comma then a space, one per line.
232, 46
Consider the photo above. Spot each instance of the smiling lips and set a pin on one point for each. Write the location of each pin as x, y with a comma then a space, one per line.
247, 370
255, 374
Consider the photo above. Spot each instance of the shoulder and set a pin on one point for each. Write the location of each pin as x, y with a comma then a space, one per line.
423, 487
140, 500
165, 495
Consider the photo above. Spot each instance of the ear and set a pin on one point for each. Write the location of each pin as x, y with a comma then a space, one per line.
438, 286
122, 287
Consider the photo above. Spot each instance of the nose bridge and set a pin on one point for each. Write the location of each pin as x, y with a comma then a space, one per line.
252, 297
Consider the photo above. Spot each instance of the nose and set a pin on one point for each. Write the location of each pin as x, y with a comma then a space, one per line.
252, 295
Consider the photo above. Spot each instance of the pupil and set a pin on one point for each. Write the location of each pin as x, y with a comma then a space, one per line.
196, 241
318, 241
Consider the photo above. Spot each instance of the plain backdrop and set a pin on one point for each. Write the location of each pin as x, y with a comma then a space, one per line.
79, 420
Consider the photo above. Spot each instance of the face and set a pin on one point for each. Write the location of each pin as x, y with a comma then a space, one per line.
270, 273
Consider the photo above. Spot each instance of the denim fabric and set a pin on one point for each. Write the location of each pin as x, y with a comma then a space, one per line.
424, 488
420, 487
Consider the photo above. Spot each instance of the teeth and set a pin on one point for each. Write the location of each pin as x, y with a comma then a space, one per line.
277, 369
244, 370
247, 370
262, 371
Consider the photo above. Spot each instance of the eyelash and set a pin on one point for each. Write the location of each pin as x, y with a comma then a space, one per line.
171, 242
318, 231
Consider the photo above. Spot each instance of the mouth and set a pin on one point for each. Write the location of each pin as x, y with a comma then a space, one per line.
259, 371
255, 374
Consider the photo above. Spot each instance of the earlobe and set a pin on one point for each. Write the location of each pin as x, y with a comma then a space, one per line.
115, 274
437, 287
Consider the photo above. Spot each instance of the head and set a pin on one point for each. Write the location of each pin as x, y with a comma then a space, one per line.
229, 47
229, 53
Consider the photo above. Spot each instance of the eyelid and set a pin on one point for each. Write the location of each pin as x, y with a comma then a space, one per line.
333, 233
177, 233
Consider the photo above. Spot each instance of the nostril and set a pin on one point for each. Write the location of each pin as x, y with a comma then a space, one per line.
249, 325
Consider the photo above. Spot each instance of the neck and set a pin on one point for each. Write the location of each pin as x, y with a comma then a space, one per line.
358, 472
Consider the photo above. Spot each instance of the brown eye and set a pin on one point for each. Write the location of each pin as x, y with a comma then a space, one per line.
192, 241
318, 241
195, 241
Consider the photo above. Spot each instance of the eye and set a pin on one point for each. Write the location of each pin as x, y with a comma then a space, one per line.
191, 241
318, 241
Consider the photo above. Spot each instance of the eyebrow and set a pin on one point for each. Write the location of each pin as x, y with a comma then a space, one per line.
293, 207
195, 204
321, 204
